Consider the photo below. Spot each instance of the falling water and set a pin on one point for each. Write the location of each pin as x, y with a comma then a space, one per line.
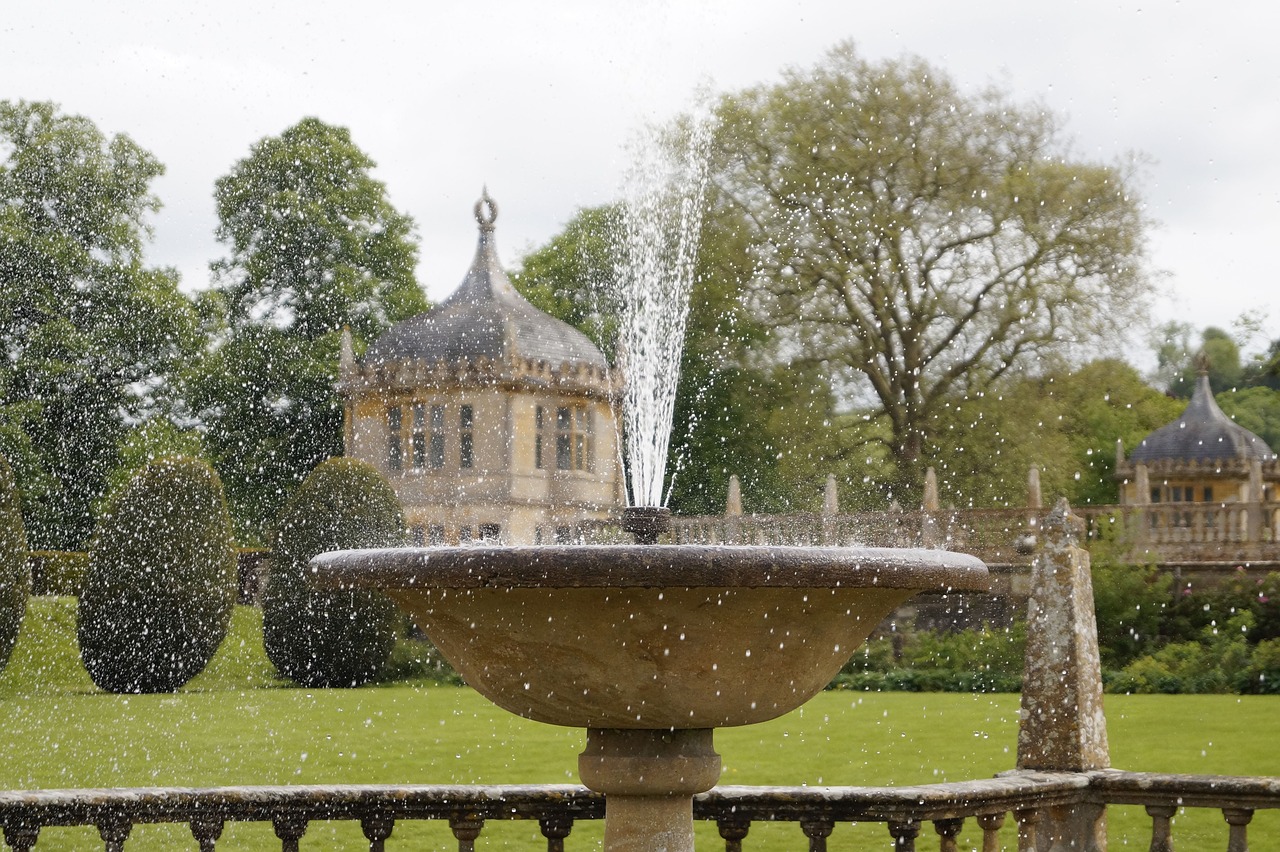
657, 248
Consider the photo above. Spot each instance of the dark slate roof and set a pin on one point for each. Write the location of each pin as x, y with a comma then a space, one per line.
1202, 433
484, 318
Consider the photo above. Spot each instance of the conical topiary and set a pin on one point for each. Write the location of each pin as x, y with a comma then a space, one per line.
161, 585
321, 637
15, 574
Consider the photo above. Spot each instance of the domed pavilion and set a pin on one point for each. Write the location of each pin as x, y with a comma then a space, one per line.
1202, 457
491, 419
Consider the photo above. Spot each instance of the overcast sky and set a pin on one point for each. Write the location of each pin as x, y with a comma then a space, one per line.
537, 100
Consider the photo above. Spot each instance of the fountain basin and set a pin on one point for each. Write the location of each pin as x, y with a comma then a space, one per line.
649, 637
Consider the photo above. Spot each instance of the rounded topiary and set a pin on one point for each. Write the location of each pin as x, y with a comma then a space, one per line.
321, 637
161, 584
15, 575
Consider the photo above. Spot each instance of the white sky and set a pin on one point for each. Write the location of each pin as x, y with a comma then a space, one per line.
537, 100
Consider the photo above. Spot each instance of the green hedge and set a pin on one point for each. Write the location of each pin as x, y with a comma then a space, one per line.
321, 637
162, 580
58, 572
15, 575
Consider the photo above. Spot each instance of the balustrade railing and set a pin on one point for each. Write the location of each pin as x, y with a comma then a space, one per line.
905, 811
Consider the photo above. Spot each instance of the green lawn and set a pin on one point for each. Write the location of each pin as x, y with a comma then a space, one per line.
237, 725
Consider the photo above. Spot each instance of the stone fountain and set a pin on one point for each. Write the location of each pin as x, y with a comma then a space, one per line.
650, 647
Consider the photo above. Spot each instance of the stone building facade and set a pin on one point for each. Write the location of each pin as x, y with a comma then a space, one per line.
490, 419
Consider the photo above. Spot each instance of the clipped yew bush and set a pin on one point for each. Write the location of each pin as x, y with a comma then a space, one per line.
322, 637
15, 576
161, 584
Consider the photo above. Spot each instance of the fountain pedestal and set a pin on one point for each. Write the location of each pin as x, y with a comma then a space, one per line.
649, 647
649, 779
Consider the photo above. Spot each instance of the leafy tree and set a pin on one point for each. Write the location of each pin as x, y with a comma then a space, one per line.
734, 414
1256, 409
314, 246
919, 242
320, 637
15, 573
157, 600
90, 334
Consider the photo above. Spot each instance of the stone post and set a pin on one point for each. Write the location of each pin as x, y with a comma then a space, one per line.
830, 508
733, 511
1254, 517
1142, 483
1062, 726
930, 534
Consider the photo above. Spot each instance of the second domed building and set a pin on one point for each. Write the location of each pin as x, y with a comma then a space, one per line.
491, 419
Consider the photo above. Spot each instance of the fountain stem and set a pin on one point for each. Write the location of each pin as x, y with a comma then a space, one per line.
649, 779
646, 523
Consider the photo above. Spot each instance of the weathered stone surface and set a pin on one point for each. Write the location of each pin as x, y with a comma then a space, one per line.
1063, 727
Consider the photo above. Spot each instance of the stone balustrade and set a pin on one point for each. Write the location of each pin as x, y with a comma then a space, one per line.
1026, 800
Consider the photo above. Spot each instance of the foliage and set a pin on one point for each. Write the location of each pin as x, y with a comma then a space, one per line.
58, 572
733, 413
1130, 604
314, 246
161, 581
1217, 638
1255, 408
984, 659
90, 334
320, 637
982, 446
921, 243
15, 575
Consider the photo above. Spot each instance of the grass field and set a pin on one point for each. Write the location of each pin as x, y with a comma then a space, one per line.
236, 725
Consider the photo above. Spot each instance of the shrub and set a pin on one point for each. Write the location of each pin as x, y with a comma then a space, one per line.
15, 576
1131, 603
323, 637
58, 572
161, 584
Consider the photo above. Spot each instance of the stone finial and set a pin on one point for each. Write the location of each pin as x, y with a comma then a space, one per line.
1142, 484
347, 352
486, 211
1119, 453
930, 503
1034, 500
831, 497
733, 504
1062, 727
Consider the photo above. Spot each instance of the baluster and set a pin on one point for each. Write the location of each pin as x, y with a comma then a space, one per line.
466, 829
290, 830
1238, 819
904, 834
1161, 838
21, 837
990, 825
206, 832
376, 830
555, 829
733, 830
1027, 819
817, 829
948, 829
114, 832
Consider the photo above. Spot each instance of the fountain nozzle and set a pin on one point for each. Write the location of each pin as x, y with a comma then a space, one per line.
646, 523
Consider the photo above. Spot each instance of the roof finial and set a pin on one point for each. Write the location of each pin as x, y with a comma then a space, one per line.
1202, 363
486, 211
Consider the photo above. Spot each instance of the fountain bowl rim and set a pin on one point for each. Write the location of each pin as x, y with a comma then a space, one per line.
650, 566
